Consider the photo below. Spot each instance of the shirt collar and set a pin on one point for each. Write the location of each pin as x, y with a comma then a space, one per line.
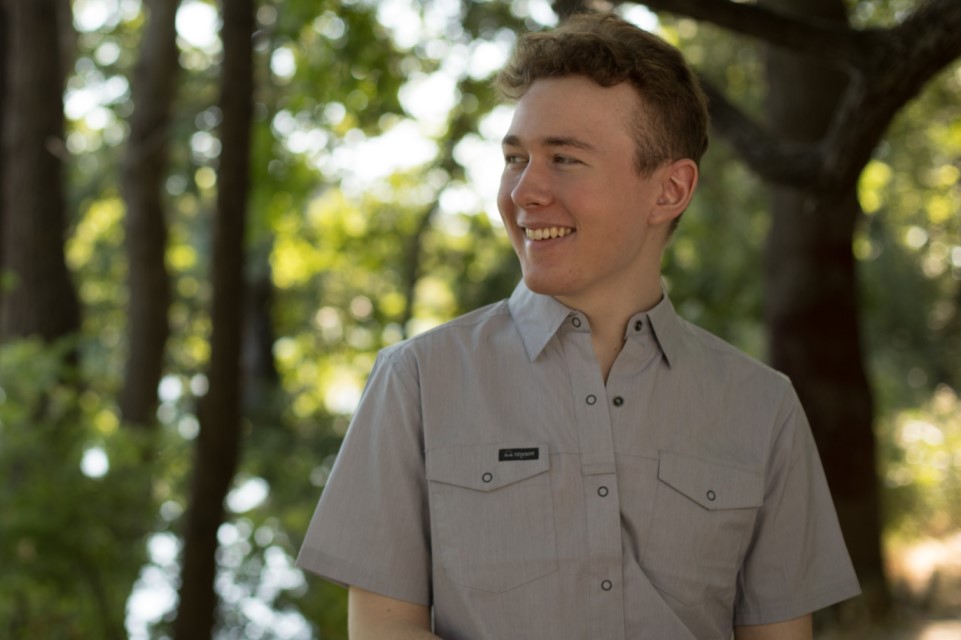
538, 317
667, 328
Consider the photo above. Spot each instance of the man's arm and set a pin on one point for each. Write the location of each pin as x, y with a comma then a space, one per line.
796, 629
371, 616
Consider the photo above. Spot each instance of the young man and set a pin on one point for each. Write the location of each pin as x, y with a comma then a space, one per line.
578, 462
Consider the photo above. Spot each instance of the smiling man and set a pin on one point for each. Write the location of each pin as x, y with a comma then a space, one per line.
577, 462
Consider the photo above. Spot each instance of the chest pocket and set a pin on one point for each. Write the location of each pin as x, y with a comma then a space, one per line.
703, 520
492, 515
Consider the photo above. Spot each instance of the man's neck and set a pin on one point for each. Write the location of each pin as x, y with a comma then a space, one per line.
608, 317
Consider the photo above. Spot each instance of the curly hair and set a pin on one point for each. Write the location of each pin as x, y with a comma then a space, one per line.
672, 123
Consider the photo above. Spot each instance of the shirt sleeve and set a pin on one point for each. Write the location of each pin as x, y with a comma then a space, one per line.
371, 528
797, 561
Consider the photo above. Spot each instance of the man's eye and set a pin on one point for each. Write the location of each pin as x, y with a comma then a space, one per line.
565, 160
513, 159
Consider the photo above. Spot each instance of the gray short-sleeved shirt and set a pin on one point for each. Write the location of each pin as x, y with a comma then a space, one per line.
491, 473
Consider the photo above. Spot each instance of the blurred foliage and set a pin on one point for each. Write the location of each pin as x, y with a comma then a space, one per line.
360, 260
923, 475
909, 248
72, 501
910, 251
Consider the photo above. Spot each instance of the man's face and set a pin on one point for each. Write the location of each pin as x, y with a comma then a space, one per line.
577, 212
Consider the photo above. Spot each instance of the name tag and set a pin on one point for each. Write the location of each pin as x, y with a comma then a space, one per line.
519, 454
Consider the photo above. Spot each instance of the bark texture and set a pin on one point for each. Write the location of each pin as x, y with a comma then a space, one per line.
41, 300
811, 296
4, 56
258, 370
218, 445
144, 173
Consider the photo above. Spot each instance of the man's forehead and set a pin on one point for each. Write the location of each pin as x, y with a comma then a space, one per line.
573, 112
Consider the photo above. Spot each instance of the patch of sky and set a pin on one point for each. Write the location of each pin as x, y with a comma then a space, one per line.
641, 16
198, 24
103, 15
94, 463
248, 494
283, 64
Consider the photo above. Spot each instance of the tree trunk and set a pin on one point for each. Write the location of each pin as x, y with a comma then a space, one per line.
811, 301
4, 57
144, 173
218, 446
259, 371
41, 299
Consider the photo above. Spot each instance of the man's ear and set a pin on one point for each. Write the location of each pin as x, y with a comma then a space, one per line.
677, 182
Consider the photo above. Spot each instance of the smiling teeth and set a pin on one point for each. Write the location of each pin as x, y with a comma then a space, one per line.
548, 233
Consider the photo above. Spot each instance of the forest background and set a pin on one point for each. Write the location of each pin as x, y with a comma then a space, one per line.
212, 216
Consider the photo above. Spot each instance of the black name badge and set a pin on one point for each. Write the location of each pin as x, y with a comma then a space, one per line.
532, 453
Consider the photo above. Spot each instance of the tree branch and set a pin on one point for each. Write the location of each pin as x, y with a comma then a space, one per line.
911, 54
889, 67
840, 45
795, 164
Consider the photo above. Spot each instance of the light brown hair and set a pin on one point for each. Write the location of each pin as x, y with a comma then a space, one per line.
609, 50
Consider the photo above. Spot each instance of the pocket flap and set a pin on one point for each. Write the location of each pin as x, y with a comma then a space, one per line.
487, 467
711, 484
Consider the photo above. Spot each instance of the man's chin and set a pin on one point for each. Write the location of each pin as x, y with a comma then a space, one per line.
544, 286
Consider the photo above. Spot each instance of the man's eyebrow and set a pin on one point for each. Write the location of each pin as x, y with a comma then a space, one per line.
568, 141
511, 140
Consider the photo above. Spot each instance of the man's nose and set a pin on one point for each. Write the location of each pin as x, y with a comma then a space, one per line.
532, 188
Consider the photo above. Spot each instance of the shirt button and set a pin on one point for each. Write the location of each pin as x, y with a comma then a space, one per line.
638, 325
711, 496
602, 492
487, 477
618, 401
607, 585
576, 322
591, 399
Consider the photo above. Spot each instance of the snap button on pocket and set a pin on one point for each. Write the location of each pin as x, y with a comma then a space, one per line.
487, 477
696, 478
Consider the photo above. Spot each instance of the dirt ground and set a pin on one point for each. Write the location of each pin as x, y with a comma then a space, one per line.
920, 628
926, 579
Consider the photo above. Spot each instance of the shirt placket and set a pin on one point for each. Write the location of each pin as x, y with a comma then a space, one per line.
602, 504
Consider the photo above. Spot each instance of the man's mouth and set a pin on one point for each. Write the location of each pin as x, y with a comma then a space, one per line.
547, 233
